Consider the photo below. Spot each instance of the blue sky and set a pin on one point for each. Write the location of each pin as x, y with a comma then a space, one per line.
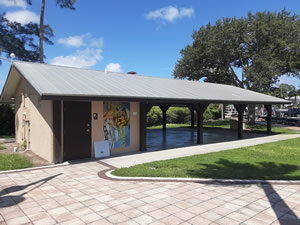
126, 35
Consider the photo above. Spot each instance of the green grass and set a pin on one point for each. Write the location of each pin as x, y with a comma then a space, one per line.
7, 136
13, 161
169, 126
225, 124
2, 147
278, 160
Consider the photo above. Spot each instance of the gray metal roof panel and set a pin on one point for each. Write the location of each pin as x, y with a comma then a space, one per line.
67, 81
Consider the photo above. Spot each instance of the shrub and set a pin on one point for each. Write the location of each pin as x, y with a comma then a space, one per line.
180, 115
154, 117
212, 112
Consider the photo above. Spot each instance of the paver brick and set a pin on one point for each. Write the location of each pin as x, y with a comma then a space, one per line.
79, 196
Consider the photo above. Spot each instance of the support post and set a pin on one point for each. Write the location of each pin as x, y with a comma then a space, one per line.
144, 109
240, 108
192, 109
269, 119
143, 126
164, 108
200, 109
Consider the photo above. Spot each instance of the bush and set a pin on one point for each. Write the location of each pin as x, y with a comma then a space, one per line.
180, 115
154, 117
7, 120
212, 112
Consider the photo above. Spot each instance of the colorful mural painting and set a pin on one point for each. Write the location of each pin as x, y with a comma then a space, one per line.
116, 126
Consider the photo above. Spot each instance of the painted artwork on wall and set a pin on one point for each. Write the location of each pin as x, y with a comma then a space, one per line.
116, 123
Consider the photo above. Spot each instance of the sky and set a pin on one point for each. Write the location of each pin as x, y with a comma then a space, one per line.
130, 35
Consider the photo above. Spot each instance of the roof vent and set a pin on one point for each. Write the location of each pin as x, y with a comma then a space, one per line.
131, 72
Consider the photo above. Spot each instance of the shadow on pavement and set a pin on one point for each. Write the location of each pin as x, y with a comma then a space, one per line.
264, 170
10, 200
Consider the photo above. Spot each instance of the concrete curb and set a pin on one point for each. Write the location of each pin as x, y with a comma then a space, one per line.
34, 168
201, 180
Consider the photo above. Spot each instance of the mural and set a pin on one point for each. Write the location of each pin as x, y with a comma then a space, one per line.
116, 123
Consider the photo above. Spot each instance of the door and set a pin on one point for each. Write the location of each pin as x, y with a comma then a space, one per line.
77, 130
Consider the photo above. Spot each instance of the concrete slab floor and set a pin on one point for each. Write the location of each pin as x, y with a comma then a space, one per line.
181, 137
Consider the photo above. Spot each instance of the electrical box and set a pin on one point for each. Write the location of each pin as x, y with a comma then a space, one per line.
101, 149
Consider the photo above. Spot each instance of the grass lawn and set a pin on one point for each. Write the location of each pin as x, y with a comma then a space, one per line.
13, 161
225, 124
278, 160
7, 136
169, 126
2, 147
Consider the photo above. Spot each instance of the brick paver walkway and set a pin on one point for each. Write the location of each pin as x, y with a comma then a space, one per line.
76, 195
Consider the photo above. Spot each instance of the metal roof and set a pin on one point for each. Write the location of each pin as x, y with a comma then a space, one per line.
57, 82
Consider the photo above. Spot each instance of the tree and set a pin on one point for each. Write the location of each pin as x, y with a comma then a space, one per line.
18, 39
251, 52
62, 4
282, 91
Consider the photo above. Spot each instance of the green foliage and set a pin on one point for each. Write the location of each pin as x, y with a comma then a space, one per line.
69, 4
18, 39
13, 161
177, 115
212, 112
278, 160
283, 91
261, 46
180, 115
154, 116
7, 120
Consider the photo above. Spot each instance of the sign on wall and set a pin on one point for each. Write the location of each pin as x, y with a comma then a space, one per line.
116, 123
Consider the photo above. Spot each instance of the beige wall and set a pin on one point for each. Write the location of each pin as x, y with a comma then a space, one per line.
97, 127
36, 125
38, 130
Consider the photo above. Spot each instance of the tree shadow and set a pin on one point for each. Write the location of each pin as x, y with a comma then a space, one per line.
10, 200
225, 169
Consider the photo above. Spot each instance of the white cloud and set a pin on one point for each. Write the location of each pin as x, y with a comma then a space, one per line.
170, 13
13, 3
82, 40
97, 43
114, 67
22, 16
72, 41
82, 58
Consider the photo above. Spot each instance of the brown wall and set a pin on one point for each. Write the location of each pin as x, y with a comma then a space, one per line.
38, 128
97, 128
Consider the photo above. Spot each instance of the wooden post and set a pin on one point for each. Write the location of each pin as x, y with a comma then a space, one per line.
269, 119
240, 108
164, 108
144, 109
192, 109
200, 108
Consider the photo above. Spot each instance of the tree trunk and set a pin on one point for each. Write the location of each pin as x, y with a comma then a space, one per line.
251, 113
41, 32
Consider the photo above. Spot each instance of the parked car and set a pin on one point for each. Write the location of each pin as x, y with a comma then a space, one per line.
293, 112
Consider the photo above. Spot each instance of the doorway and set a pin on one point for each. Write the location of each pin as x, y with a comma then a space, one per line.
77, 130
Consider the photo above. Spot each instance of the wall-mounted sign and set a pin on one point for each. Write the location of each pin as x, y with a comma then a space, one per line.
95, 116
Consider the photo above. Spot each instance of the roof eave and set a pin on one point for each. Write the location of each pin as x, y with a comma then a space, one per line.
147, 99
